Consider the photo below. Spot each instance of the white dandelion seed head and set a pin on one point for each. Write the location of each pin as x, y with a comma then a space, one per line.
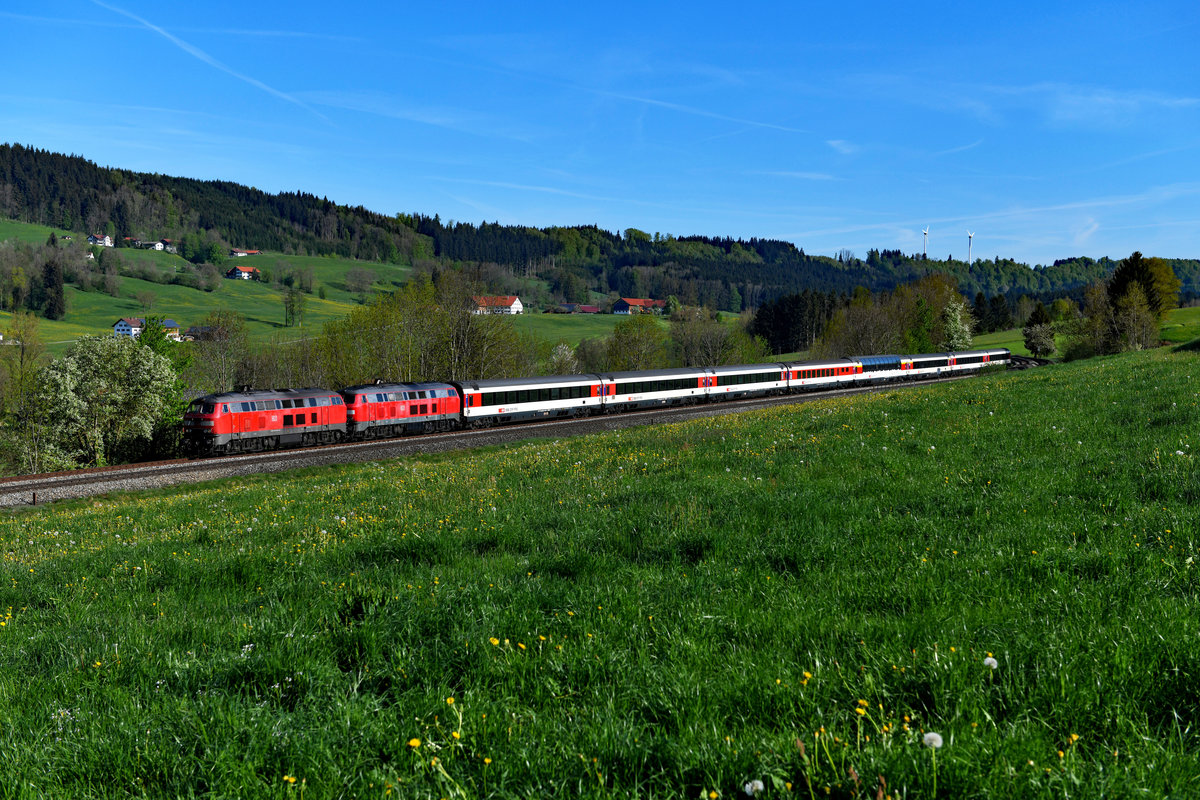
754, 788
991, 663
933, 740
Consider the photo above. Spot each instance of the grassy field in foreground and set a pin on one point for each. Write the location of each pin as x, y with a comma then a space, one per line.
795, 596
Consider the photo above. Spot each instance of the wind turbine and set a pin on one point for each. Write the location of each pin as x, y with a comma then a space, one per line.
970, 237
925, 246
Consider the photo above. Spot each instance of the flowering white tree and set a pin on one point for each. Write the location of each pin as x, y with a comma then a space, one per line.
103, 392
957, 323
562, 360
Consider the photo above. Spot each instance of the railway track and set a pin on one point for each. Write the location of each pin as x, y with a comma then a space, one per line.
37, 489
1026, 362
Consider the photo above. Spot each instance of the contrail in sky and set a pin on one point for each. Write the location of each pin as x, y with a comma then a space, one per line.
207, 59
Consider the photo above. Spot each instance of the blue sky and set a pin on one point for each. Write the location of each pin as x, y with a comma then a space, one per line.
1049, 129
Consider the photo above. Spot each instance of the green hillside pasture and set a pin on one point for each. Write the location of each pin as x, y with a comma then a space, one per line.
569, 328
1181, 325
1011, 338
328, 272
798, 596
93, 313
27, 232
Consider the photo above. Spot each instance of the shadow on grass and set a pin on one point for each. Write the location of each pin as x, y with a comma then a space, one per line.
1187, 347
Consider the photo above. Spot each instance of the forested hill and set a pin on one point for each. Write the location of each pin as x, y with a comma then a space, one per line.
74, 194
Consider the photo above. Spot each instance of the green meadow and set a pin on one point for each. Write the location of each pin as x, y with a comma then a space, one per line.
93, 313
569, 328
801, 596
28, 232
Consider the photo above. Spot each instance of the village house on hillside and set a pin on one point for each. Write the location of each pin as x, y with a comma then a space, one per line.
504, 304
577, 308
243, 273
235, 253
102, 240
133, 327
634, 305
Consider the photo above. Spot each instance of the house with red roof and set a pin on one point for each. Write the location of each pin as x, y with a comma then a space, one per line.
243, 273
502, 304
634, 305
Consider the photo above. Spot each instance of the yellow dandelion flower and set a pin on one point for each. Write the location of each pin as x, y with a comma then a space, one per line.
289, 779
863, 703
495, 642
449, 701
414, 742
455, 735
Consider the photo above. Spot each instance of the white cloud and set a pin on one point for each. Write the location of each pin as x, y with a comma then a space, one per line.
842, 146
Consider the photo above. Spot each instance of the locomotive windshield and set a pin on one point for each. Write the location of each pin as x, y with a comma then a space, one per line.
199, 407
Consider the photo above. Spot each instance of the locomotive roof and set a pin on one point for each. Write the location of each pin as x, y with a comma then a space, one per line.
265, 394
396, 387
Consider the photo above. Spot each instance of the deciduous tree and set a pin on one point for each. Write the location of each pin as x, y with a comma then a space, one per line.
23, 357
219, 347
637, 343
102, 393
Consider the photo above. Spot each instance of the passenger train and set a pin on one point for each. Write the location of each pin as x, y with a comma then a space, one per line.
251, 421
